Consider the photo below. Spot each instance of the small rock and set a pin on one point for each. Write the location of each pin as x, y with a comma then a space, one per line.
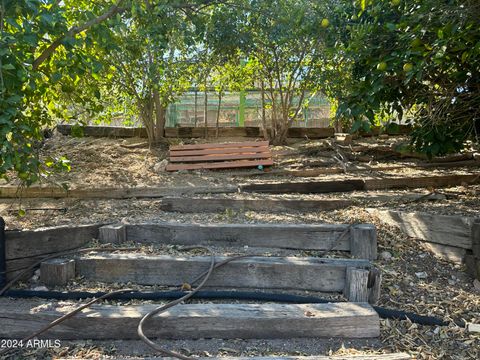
228, 350
476, 284
473, 328
40, 288
386, 255
421, 275
160, 166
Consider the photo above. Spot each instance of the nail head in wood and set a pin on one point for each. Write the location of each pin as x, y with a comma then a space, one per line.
114, 234
57, 272
356, 285
363, 241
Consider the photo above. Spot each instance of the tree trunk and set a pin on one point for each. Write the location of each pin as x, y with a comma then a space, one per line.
145, 111
217, 125
205, 111
264, 119
159, 117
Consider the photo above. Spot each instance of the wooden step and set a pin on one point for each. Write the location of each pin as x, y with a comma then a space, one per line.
383, 183
314, 274
189, 205
395, 356
191, 321
360, 241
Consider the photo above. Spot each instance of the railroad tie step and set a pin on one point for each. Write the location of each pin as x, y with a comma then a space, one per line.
191, 321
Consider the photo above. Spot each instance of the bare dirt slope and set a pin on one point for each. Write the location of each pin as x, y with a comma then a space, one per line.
414, 280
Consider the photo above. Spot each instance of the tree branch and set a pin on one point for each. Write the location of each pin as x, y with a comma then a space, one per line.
115, 9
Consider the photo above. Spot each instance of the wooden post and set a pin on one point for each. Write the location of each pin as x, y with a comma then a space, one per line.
114, 234
57, 272
363, 241
356, 285
476, 238
473, 261
374, 285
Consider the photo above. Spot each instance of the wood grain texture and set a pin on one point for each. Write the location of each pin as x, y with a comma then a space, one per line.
110, 193
362, 184
475, 236
57, 272
115, 234
220, 165
188, 205
285, 236
230, 150
441, 229
314, 274
363, 241
191, 321
306, 187
356, 285
445, 252
215, 157
395, 356
45, 241
421, 182
245, 144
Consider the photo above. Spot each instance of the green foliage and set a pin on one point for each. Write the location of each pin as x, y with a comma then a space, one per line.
378, 60
415, 60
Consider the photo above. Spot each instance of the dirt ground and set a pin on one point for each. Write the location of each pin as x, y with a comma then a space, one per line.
413, 279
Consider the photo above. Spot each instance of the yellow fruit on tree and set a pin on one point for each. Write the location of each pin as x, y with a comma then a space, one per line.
407, 67
325, 23
382, 66
396, 2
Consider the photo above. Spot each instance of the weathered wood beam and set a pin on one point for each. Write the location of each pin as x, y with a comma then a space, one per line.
306, 187
115, 234
45, 241
395, 356
188, 205
313, 274
191, 321
57, 272
440, 229
360, 240
362, 184
26, 247
108, 192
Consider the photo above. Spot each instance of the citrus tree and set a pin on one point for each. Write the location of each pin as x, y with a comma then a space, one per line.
416, 61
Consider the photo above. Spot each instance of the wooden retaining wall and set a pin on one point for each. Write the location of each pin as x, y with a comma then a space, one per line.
360, 240
291, 273
454, 238
25, 247
194, 132
199, 132
383, 183
189, 205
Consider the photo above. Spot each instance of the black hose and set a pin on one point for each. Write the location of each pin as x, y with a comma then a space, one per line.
232, 295
3, 256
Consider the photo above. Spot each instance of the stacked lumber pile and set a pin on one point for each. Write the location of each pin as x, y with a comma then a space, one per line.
220, 156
